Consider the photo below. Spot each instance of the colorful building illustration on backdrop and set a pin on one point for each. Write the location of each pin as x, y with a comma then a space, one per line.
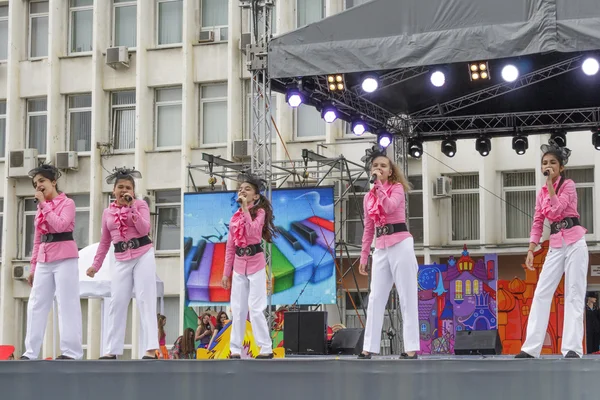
514, 304
459, 295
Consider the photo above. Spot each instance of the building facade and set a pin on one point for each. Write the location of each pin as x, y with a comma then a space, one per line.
184, 92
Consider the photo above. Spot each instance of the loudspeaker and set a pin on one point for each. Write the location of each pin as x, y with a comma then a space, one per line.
477, 343
348, 341
305, 332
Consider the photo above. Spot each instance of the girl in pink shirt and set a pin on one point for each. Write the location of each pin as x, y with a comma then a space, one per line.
126, 225
54, 268
557, 203
394, 258
244, 257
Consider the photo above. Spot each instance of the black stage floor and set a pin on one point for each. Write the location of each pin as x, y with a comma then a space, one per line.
306, 378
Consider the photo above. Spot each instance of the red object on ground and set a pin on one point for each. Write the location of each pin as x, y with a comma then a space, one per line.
6, 351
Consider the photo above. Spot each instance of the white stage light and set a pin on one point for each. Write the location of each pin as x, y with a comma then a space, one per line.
590, 66
510, 73
370, 84
438, 79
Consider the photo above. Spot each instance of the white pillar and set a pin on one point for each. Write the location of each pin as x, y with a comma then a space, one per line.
235, 101
285, 114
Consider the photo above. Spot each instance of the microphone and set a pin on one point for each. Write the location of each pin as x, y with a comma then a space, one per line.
546, 172
127, 197
35, 201
239, 200
373, 178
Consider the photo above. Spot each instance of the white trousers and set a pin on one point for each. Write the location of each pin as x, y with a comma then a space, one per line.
571, 260
249, 292
139, 275
395, 264
60, 279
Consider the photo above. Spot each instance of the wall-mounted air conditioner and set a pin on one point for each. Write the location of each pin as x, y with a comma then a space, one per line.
206, 37
442, 187
20, 272
21, 162
241, 149
67, 160
117, 56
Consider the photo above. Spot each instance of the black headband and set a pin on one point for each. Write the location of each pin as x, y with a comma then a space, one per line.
371, 154
252, 179
52, 170
564, 152
122, 173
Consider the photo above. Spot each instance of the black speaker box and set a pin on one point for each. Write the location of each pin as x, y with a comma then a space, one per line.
305, 332
348, 341
477, 343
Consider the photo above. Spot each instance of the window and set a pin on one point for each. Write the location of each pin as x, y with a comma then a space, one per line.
467, 287
247, 20
309, 123
81, 25
173, 326
354, 3
249, 113
168, 117
37, 114
84, 326
584, 184
82, 219
125, 23
123, 120
415, 208
475, 286
354, 212
168, 209
30, 208
309, 11
169, 21
458, 291
3, 32
215, 15
79, 120
519, 203
213, 114
1, 222
2, 128
38, 29
465, 207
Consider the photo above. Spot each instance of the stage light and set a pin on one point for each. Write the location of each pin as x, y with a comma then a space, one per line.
483, 145
510, 73
474, 76
359, 127
484, 75
294, 98
370, 83
415, 148
596, 138
482, 67
384, 139
438, 79
336, 82
449, 147
590, 66
329, 113
479, 70
560, 138
520, 144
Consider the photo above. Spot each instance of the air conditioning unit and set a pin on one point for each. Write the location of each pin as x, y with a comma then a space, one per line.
21, 162
442, 187
20, 272
67, 160
241, 149
206, 37
117, 56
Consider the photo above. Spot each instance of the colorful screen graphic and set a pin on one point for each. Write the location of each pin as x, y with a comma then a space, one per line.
302, 254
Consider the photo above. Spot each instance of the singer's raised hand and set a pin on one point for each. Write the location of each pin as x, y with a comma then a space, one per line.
39, 196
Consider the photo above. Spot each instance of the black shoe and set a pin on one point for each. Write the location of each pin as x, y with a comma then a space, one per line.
108, 358
63, 357
264, 356
571, 354
524, 355
363, 356
149, 358
235, 357
24, 358
404, 356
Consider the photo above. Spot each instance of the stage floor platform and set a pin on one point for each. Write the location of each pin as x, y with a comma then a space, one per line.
305, 378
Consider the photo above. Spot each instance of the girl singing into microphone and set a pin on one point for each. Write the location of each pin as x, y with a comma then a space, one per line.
557, 202
125, 225
394, 258
244, 258
54, 268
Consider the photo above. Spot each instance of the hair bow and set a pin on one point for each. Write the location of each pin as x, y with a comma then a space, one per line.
371, 154
43, 167
121, 173
252, 179
563, 152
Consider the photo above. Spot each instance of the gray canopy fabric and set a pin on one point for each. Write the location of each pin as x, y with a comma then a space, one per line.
390, 34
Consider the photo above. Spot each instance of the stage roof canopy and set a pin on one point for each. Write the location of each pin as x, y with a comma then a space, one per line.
406, 40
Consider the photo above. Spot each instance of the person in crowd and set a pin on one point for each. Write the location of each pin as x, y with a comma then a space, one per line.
54, 268
245, 265
222, 320
394, 260
592, 323
184, 348
126, 225
557, 202
204, 331
162, 337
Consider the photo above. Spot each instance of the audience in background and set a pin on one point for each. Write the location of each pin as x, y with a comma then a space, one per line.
204, 331
162, 337
222, 320
184, 348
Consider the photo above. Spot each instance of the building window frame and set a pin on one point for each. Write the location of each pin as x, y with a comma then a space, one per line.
459, 192
297, 16
77, 110
207, 100
72, 11
122, 4
31, 114
115, 110
31, 17
221, 32
585, 185
158, 24
312, 138
417, 184
158, 104
522, 190
161, 207
4, 19
2, 129
79, 210
25, 201
1, 223
361, 189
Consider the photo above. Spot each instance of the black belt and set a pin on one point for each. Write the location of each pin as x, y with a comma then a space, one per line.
135, 243
248, 250
566, 223
56, 237
388, 229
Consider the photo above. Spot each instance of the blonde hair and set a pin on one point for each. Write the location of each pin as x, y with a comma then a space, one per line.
397, 176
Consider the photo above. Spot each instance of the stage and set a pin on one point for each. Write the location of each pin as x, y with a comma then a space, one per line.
448, 378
